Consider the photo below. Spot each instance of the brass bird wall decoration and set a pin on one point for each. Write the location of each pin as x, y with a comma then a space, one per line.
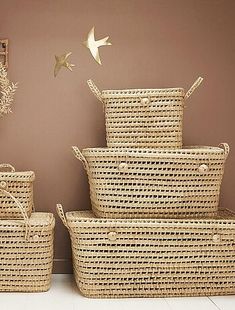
93, 45
61, 61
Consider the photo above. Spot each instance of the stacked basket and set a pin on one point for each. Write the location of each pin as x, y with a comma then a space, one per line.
26, 237
155, 229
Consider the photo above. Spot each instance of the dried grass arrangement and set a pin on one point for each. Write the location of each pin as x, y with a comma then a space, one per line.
7, 90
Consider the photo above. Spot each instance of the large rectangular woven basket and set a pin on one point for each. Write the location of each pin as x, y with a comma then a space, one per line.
147, 183
152, 258
149, 118
26, 253
16, 193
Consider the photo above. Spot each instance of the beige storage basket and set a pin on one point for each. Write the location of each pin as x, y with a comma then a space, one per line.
26, 253
16, 193
152, 258
147, 183
144, 118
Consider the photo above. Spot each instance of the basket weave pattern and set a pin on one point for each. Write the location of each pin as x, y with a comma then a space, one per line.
16, 188
155, 229
130, 122
144, 118
147, 183
26, 253
152, 258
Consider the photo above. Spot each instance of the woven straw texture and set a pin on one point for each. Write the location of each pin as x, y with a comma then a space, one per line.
16, 193
26, 253
152, 258
147, 183
144, 118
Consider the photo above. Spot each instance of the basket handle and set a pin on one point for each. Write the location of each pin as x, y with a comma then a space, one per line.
61, 214
98, 95
193, 87
78, 154
7, 166
95, 90
226, 148
24, 214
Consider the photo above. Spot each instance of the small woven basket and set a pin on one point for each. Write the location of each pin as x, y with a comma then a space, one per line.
147, 183
16, 193
152, 258
26, 253
144, 118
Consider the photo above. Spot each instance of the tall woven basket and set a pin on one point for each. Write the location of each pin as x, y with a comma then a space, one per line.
148, 183
16, 192
26, 253
144, 118
152, 258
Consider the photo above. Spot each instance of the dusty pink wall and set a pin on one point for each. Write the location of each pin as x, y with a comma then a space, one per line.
155, 44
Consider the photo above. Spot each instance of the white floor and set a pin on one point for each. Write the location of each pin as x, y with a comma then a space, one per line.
64, 295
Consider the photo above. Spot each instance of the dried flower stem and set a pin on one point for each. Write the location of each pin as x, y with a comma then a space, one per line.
7, 90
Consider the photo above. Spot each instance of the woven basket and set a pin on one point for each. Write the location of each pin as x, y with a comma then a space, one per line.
152, 258
16, 193
147, 183
144, 118
26, 253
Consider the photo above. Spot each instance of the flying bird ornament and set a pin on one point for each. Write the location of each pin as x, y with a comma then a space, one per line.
93, 45
61, 61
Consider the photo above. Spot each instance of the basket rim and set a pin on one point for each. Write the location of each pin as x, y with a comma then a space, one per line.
18, 176
139, 92
87, 216
150, 152
37, 219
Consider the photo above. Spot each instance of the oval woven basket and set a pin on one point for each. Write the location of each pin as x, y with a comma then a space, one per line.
147, 183
16, 192
152, 258
144, 118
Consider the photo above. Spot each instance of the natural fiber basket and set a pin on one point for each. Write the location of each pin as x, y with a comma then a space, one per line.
152, 258
147, 183
16, 193
26, 253
150, 118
